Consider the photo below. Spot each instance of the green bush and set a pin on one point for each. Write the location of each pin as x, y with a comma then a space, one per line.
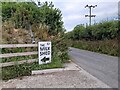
109, 47
59, 56
25, 69
45, 16
101, 31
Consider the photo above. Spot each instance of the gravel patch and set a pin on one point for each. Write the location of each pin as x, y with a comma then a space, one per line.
69, 78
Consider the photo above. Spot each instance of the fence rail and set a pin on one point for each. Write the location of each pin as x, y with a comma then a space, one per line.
7, 55
17, 54
17, 45
17, 62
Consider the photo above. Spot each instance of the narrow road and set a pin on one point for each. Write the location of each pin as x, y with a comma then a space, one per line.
102, 66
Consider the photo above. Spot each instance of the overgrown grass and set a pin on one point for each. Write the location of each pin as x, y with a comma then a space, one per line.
109, 47
20, 49
59, 56
25, 69
18, 58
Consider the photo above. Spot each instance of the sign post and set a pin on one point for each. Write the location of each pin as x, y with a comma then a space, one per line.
44, 52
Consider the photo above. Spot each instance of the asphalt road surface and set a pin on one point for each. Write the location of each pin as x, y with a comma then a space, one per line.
102, 66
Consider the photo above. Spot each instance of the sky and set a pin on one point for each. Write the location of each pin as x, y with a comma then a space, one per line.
74, 11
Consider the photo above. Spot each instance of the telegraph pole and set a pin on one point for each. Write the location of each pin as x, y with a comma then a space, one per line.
30, 29
90, 15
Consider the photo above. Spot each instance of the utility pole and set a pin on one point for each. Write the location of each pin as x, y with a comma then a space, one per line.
30, 29
90, 15
31, 34
37, 2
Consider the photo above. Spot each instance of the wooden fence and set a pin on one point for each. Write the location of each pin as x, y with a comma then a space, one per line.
17, 54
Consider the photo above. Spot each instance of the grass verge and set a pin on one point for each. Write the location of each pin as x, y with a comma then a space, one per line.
109, 47
18, 58
25, 69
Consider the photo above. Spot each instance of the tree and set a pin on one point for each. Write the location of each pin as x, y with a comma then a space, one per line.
100, 31
27, 13
52, 17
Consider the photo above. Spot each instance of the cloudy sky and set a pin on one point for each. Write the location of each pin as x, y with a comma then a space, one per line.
74, 11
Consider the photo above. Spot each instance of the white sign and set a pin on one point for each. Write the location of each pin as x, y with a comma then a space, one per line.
44, 52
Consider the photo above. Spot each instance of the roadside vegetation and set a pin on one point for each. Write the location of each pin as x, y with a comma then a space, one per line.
46, 24
102, 37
